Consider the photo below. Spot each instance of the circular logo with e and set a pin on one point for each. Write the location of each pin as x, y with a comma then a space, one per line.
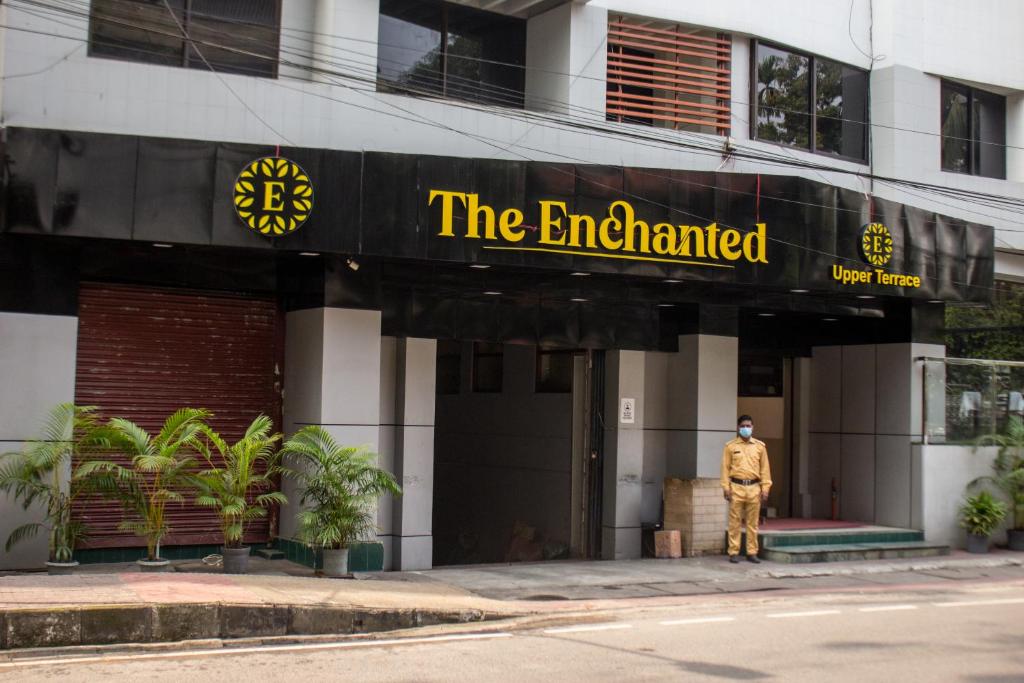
876, 244
273, 196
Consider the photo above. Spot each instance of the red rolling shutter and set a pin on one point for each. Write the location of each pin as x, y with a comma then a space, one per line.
145, 352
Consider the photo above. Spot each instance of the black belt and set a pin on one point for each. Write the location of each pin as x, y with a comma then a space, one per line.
744, 482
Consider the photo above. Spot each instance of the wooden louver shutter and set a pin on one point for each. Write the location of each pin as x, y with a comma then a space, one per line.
668, 75
145, 352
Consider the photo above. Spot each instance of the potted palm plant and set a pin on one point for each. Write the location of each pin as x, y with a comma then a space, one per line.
45, 474
238, 484
1008, 474
339, 487
160, 472
980, 515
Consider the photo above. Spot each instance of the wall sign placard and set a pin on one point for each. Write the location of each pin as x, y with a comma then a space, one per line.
619, 234
876, 248
273, 196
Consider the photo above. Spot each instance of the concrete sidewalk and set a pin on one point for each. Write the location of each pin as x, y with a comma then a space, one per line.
577, 580
113, 604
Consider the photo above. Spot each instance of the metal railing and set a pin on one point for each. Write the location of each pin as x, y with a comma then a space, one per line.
964, 398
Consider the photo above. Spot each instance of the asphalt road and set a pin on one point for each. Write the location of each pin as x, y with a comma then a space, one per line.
973, 632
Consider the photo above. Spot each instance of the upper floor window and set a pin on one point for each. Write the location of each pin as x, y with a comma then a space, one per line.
668, 75
810, 102
437, 48
234, 36
973, 131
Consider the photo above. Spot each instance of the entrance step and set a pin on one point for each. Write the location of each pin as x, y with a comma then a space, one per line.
846, 552
854, 535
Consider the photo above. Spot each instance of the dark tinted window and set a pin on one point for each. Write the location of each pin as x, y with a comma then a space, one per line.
235, 36
783, 96
973, 131
789, 103
488, 367
449, 367
409, 46
988, 134
841, 109
554, 371
436, 48
955, 128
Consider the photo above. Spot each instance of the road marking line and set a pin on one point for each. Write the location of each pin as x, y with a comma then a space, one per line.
787, 615
698, 620
887, 608
978, 603
594, 627
228, 650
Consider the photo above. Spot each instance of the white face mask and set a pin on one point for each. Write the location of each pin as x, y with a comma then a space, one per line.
746, 432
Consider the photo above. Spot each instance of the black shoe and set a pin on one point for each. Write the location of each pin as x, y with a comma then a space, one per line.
753, 559
734, 559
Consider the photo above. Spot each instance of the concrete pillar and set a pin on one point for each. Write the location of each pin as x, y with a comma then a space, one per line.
332, 378
566, 60
412, 513
702, 388
1015, 138
37, 363
344, 38
623, 454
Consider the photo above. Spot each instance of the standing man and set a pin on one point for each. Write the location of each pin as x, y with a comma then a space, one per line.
746, 480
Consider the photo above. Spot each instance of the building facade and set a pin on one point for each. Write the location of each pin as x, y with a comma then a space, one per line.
537, 255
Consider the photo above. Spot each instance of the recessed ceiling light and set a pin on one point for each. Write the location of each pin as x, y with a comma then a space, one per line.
830, 320
865, 296
665, 305
672, 282
162, 245
492, 292
766, 315
799, 291
479, 266
309, 253
577, 299
580, 273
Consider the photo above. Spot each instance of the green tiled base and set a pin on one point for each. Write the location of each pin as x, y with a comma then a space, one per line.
362, 557
845, 552
172, 552
778, 540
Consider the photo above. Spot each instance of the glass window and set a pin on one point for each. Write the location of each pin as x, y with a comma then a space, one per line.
955, 131
973, 131
841, 108
235, 36
488, 367
783, 96
449, 367
789, 104
409, 46
437, 48
760, 376
554, 371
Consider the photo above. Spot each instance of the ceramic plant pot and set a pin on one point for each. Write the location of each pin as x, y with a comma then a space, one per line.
158, 565
335, 562
236, 560
976, 543
61, 568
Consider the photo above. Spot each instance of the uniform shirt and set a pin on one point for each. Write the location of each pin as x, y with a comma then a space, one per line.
746, 460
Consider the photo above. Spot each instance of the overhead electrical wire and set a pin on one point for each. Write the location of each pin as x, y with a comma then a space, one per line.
416, 117
776, 159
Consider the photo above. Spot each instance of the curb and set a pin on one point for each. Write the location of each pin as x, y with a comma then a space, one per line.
162, 623
980, 563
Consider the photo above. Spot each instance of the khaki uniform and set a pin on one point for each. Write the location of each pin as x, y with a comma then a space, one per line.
745, 460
